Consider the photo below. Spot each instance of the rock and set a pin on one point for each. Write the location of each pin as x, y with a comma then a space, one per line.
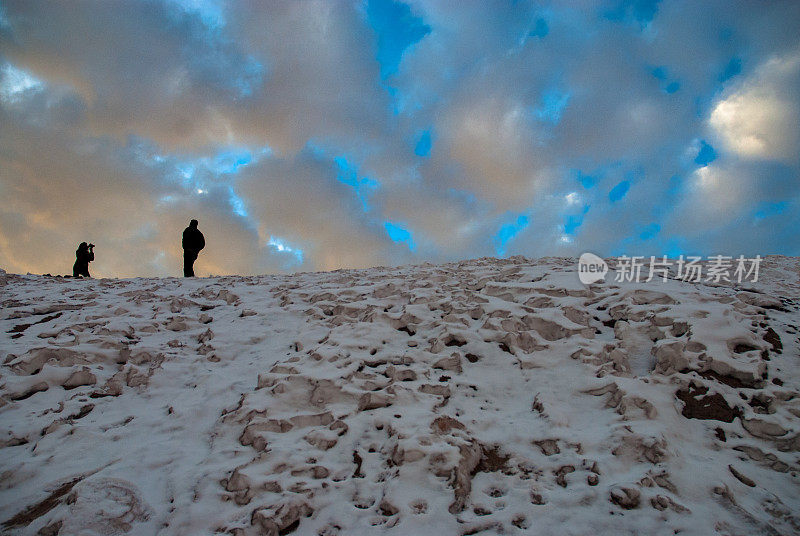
711, 406
237, 482
774, 340
547, 329
760, 300
316, 472
320, 440
37, 387
561, 474
679, 329
548, 446
763, 429
370, 401
662, 502
470, 457
339, 426
670, 358
53, 529
276, 521
316, 419
388, 509
452, 363
176, 324
418, 506
445, 424
134, 378
743, 479
644, 297
80, 378
627, 498
430, 389
283, 369
206, 336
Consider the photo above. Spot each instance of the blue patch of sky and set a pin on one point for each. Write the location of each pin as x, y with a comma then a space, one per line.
508, 231
638, 11
16, 83
705, 155
4, 23
650, 231
398, 234
227, 162
396, 28
675, 184
424, 143
587, 181
591, 178
668, 84
675, 246
572, 222
767, 210
364, 187
240, 72
252, 76
209, 11
540, 28
659, 72
210, 175
733, 68
237, 203
186, 171
467, 198
552, 105
279, 245
619, 191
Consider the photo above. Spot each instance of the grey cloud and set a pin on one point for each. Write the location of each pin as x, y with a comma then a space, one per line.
125, 80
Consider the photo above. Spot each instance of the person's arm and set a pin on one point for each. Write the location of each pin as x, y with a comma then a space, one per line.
201, 240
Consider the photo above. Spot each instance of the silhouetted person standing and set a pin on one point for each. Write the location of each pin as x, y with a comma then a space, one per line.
83, 256
193, 241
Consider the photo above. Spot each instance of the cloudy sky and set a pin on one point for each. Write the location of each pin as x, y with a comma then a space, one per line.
332, 134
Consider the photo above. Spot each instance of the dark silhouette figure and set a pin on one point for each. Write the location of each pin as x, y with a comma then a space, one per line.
193, 241
83, 256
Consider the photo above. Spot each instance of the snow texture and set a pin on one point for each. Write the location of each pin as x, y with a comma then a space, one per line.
483, 397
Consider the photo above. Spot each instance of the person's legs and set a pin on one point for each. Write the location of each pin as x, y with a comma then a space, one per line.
188, 263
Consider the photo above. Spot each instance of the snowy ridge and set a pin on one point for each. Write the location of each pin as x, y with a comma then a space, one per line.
482, 397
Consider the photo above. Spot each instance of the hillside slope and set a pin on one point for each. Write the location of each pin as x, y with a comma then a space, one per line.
488, 396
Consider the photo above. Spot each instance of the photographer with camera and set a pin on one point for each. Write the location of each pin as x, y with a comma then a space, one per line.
83, 256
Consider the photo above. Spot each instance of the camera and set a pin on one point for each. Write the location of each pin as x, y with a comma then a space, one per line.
91, 245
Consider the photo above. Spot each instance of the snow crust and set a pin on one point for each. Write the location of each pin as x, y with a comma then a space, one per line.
483, 397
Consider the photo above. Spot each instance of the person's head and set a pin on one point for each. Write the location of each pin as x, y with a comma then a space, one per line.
193, 223
83, 245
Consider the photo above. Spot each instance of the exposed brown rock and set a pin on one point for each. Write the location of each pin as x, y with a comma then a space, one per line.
627, 498
712, 407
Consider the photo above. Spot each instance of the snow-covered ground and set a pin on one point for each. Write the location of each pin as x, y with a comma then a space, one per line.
483, 397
